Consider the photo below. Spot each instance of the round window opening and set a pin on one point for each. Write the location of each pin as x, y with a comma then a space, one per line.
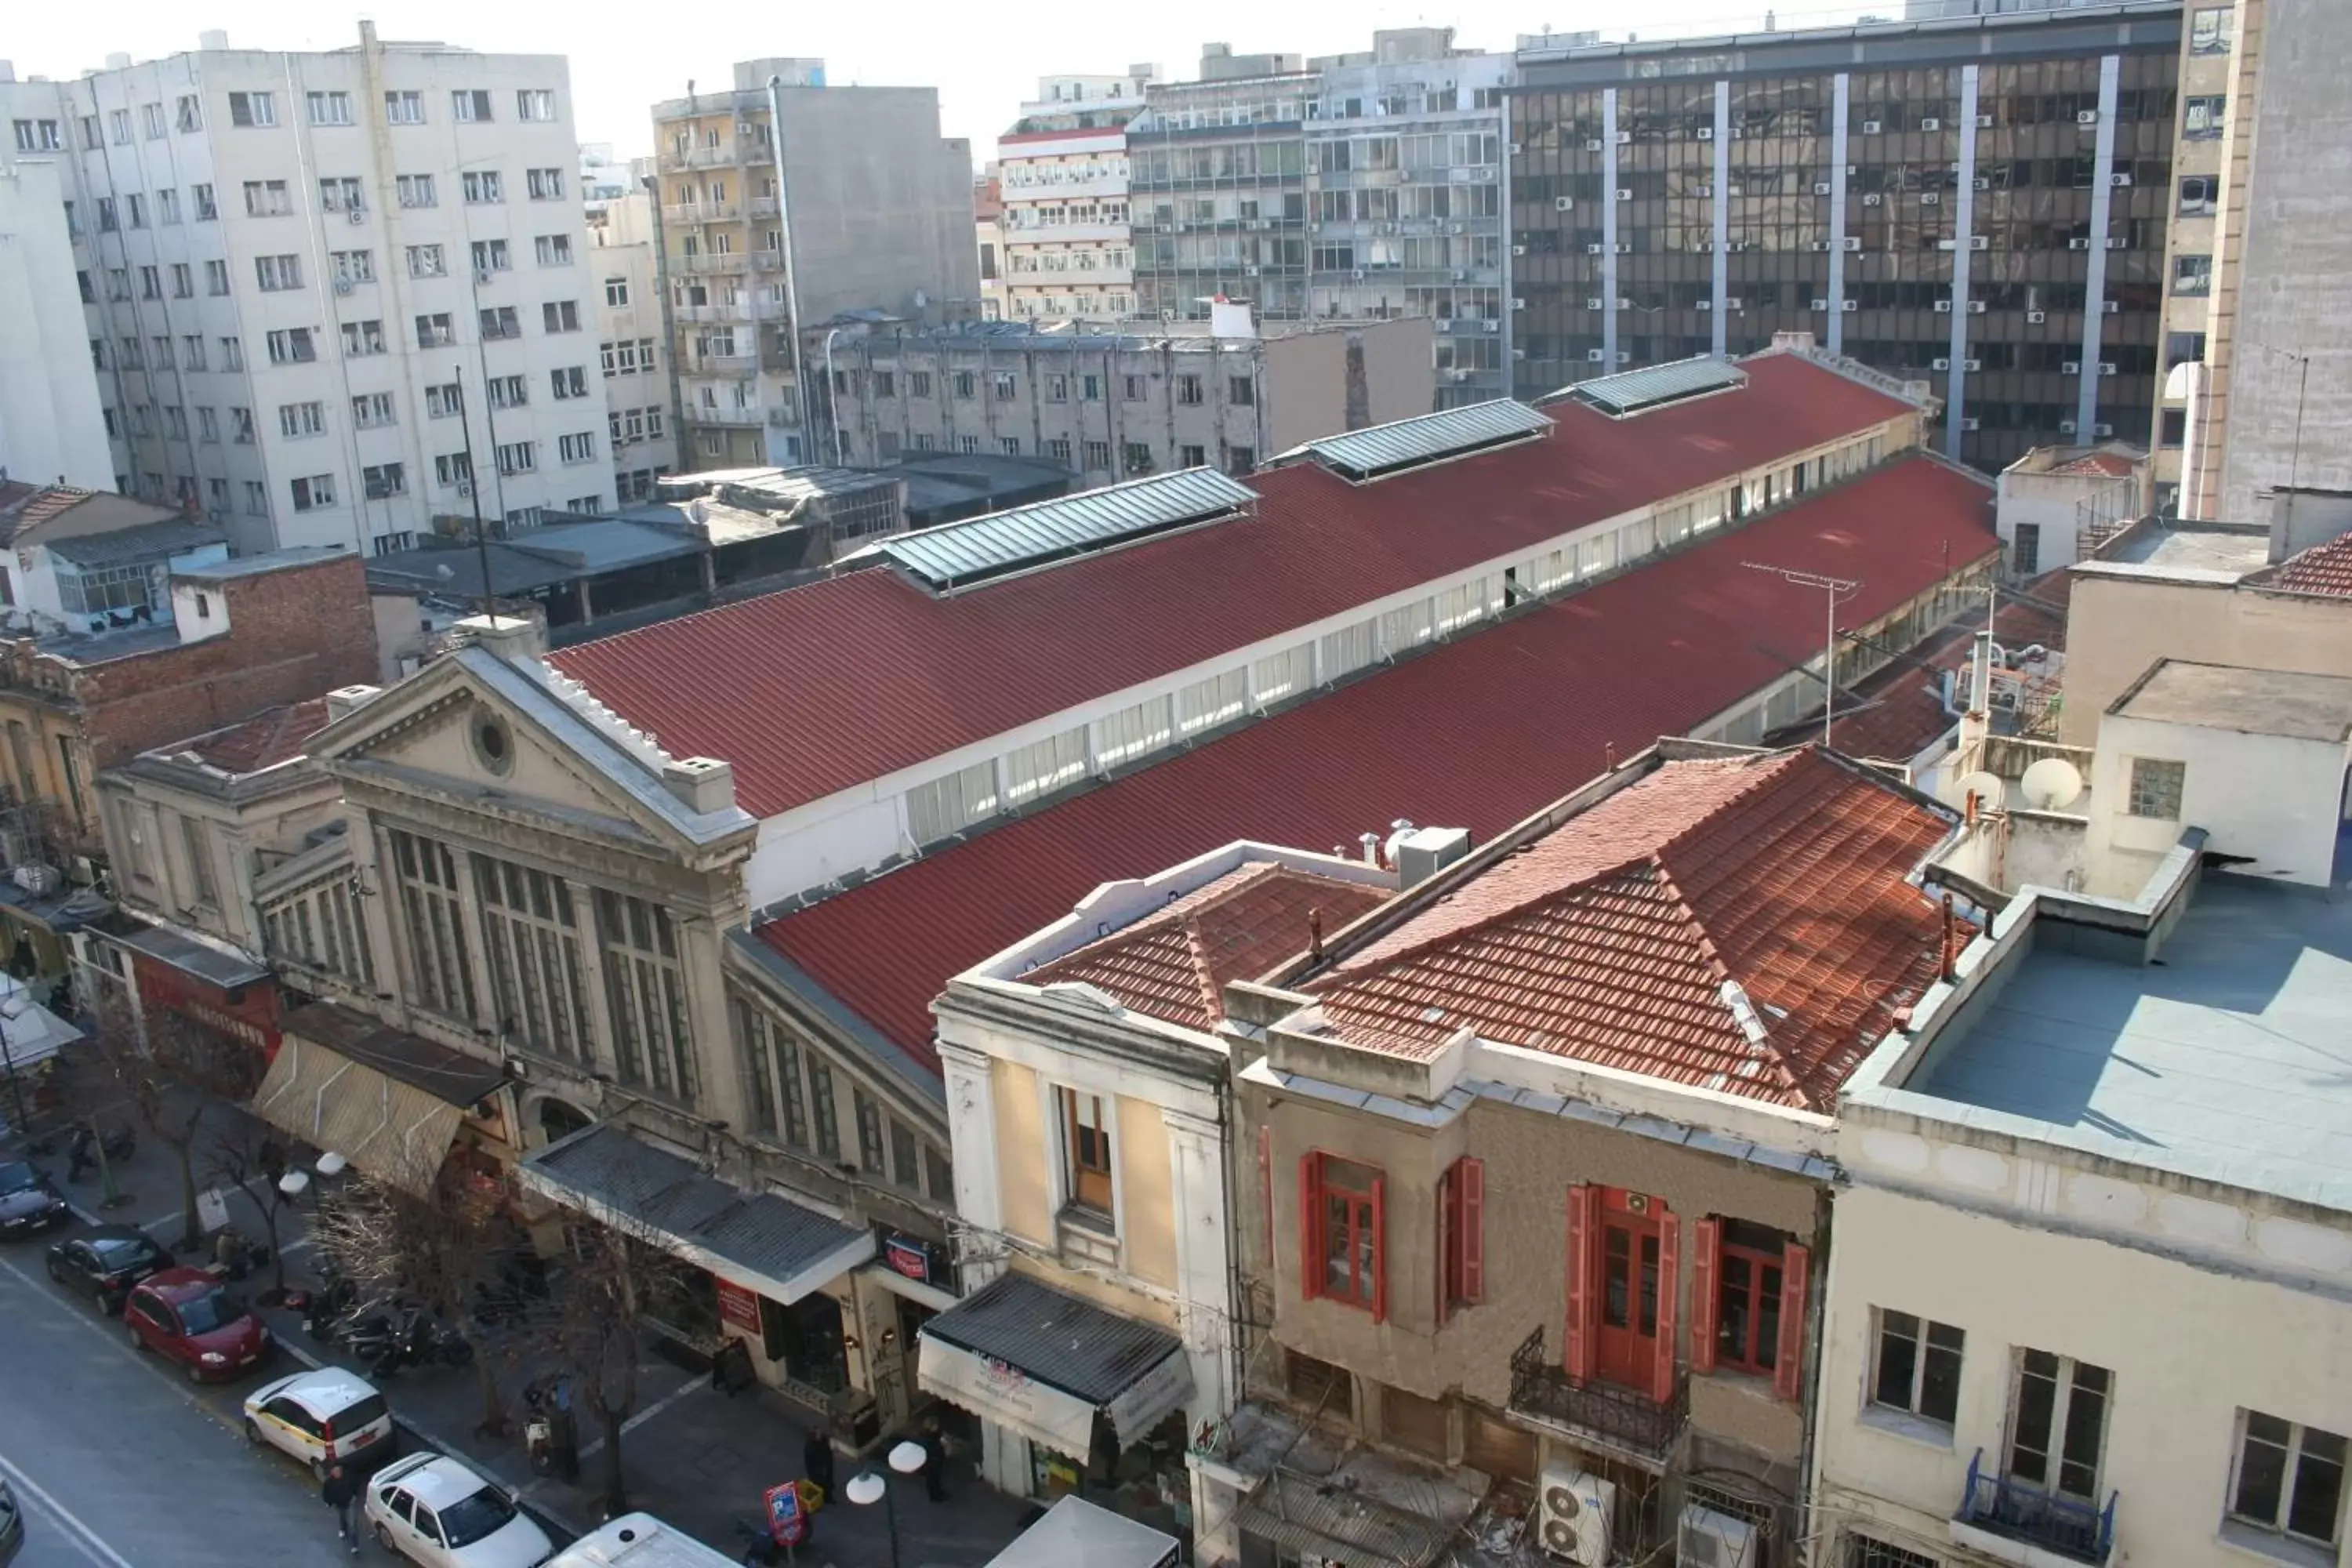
490, 740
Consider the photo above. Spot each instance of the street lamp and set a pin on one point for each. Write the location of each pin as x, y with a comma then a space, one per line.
870, 1487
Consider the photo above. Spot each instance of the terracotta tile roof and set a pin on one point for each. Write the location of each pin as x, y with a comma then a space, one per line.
40, 508
2101, 465
1900, 710
2321, 569
1175, 964
1476, 734
273, 736
11, 493
1745, 927
856, 677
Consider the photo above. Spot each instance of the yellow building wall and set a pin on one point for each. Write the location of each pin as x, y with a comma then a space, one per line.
1145, 1205
1025, 1148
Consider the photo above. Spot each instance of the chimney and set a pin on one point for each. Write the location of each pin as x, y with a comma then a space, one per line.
1425, 851
117, 61
515, 638
212, 39
702, 784
1951, 948
1314, 934
7, 70
345, 700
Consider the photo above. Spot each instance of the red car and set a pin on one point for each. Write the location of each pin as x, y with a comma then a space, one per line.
187, 1315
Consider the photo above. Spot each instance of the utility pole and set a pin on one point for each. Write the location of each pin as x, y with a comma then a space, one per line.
474, 490
1833, 589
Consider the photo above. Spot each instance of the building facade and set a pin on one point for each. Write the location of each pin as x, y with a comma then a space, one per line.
1116, 406
1062, 170
294, 267
634, 347
1980, 201
52, 423
874, 211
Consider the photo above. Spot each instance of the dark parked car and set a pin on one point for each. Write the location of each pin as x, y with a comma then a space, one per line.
107, 1262
28, 1202
12, 1525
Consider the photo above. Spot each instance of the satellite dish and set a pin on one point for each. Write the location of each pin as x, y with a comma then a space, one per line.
2051, 783
1987, 787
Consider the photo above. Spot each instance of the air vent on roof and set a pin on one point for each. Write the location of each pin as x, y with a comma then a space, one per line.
977, 549
1379, 450
1636, 390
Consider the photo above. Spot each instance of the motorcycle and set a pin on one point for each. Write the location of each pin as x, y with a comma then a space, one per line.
426, 1341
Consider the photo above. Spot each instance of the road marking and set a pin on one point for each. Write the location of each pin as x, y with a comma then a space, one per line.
91, 1544
596, 1446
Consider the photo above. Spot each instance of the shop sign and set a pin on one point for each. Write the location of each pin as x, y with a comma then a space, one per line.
737, 1306
907, 1256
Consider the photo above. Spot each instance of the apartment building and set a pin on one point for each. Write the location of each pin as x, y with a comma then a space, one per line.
294, 265
988, 234
1110, 406
642, 390
859, 205
1983, 201
2256, 279
52, 423
1366, 185
1063, 172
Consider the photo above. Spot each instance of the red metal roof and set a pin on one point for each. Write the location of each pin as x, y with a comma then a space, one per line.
845, 680
2321, 569
1174, 963
273, 736
1745, 926
1899, 711
1476, 734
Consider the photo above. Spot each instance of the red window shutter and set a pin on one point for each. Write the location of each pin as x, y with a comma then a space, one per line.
1670, 1249
1704, 1264
1310, 1230
1470, 1229
1796, 1273
1583, 1283
1379, 1252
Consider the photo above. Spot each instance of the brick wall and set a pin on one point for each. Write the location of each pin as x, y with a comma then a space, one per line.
297, 632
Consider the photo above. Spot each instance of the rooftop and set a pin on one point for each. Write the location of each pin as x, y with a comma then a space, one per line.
1477, 733
2321, 569
292, 559
2221, 547
2251, 701
1174, 964
840, 682
530, 560
2226, 1063
1747, 926
1899, 712
273, 736
141, 540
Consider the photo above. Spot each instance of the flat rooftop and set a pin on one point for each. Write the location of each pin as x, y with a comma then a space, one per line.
2250, 702
2230, 1062
2191, 548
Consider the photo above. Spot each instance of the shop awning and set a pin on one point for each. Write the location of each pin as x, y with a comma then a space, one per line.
1076, 1534
1043, 1363
387, 1101
222, 968
29, 1033
762, 1241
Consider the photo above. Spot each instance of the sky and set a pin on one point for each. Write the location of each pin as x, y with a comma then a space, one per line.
984, 61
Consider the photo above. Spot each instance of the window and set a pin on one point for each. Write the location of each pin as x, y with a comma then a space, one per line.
500, 322
151, 115
1007, 386
363, 338
2289, 1479
482, 186
645, 994
555, 250
2192, 275
918, 383
2202, 118
517, 456
277, 274
291, 346
296, 420
1192, 457
577, 448
40, 136
1136, 458
543, 185
208, 425
330, 107
252, 108
240, 421
2171, 430
433, 924
1342, 1201
1242, 392
1097, 456
2155, 789
403, 108
373, 410
2025, 549
569, 381
616, 290
1862, 1552
354, 266
452, 468
1462, 1234
871, 1155
531, 925
1009, 445
510, 391
2197, 194
470, 106
107, 222
559, 316
1133, 390
534, 103
382, 481
256, 498
184, 281
1086, 1149
2208, 30
315, 492
217, 279
1748, 1299
167, 205
1188, 389
134, 207
1240, 460
117, 126
434, 331
2058, 1423
150, 283
425, 261
414, 191
442, 402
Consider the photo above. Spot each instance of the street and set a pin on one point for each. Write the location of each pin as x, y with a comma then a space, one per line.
119, 1462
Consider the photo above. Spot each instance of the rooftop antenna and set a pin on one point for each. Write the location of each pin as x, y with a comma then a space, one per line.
1833, 589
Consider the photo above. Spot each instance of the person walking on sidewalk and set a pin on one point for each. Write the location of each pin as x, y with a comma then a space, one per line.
817, 1461
339, 1492
935, 1461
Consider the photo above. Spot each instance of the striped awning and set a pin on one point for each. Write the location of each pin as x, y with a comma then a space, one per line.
392, 1131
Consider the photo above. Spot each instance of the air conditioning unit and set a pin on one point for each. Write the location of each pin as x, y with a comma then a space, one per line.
1625, 248
342, 285
464, 487
1595, 249
1980, 184
1519, 250
1943, 306
2078, 245
1948, 245
1973, 365
2035, 318
1624, 138
1705, 1538
1970, 422
355, 214
1595, 302
1593, 145
1707, 132
1854, 242
2103, 431
1563, 203
1519, 353
1624, 356
2107, 367
1515, 149
1872, 199
1357, 276
1870, 128
1623, 194
2110, 307
2066, 427
482, 275
1623, 303
1822, 305
1821, 187
1984, 122
1817, 245
1976, 306
2117, 242
1706, 304
1940, 362
1250, 271
1594, 356
1517, 303
1461, 277
1733, 303
1980, 242
1457, 375
1931, 198
2087, 117
1850, 304
1931, 123
1573, 1515
2119, 179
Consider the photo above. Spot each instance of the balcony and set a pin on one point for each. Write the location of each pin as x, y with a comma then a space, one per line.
727, 261
707, 364
702, 212
698, 158
1602, 1414
744, 418
763, 207
767, 261
2014, 1522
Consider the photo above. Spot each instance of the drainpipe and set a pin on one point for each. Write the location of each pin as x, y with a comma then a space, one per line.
833, 398
792, 275
651, 184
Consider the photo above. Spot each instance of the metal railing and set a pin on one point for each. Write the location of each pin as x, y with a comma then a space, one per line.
705, 262
1624, 1416
2072, 1527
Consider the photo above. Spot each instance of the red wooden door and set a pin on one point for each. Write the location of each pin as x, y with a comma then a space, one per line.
1627, 1341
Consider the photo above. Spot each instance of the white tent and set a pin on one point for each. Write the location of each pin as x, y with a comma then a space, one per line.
1076, 1534
29, 1033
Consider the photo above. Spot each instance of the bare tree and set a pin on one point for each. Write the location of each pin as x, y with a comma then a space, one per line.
250, 1156
169, 1077
595, 1325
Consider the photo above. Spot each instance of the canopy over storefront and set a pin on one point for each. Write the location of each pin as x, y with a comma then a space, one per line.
1045, 1363
387, 1101
1076, 1534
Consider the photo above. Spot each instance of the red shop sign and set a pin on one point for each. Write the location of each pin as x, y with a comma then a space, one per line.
737, 1306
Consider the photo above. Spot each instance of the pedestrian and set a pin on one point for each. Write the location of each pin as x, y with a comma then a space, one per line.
339, 1492
816, 1460
935, 1461
79, 1157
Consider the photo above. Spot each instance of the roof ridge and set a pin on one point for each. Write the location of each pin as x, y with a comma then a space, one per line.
1762, 1045
1451, 935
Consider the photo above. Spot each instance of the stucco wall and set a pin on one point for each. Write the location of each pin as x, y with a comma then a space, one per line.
2275, 800
1022, 1182
2117, 626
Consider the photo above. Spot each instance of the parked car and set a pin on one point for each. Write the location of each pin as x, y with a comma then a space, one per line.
320, 1416
108, 1262
29, 1202
439, 1511
186, 1315
12, 1526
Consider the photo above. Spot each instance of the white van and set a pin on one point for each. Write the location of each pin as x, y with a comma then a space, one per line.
639, 1541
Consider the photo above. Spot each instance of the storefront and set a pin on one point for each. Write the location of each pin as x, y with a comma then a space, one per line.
1073, 1397
211, 984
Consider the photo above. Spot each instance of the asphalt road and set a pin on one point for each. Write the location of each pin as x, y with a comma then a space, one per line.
119, 1463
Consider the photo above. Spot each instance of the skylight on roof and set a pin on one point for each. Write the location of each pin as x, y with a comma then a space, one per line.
1636, 391
981, 549
1382, 449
